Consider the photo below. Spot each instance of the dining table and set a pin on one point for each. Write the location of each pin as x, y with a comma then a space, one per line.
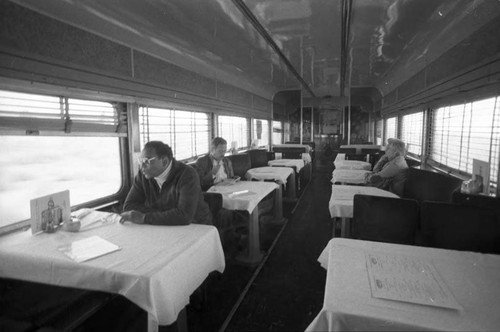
245, 196
155, 267
347, 176
284, 176
376, 286
341, 204
341, 163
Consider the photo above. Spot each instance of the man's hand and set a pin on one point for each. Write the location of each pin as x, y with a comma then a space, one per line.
215, 169
133, 216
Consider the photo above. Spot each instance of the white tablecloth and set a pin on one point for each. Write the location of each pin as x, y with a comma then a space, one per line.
157, 267
349, 176
341, 200
243, 195
352, 164
297, 163
279, 174
473, 279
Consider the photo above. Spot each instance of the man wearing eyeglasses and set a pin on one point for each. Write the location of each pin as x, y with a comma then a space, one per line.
165, 191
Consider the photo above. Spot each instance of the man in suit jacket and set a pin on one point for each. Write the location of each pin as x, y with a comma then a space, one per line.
214, 167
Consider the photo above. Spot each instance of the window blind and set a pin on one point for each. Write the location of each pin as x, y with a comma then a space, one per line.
277, 132
186, 132
261, 132
35, 113
390, 129
412, 126
461, 133
234, 129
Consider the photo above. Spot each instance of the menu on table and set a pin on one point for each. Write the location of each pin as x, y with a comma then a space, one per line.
88, 248
408, 279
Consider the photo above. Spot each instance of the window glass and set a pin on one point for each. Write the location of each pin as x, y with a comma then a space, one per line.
378, 132
234, 129
277, 132
70, 144
411, 132
34, 166
186, 132
390, 128
260, 132
461, 133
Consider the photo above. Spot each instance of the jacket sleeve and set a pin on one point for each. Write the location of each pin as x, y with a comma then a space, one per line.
392, 168
204, 171
136, 196
188, 192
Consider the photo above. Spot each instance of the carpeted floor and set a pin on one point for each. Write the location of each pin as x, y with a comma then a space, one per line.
287, 292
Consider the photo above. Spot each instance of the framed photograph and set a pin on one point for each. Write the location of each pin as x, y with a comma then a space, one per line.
49, 212
481, 175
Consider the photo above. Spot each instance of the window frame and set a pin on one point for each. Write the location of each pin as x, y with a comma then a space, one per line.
62, 127
171, 112
494, 135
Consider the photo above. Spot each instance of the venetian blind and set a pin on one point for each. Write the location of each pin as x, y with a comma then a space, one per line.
186, 132
461, 133
234, 129
36, 114
412, 126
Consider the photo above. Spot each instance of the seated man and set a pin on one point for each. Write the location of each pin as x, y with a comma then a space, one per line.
214, 167
165, 191
388, 172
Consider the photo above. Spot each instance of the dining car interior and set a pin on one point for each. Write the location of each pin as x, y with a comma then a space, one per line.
364, 138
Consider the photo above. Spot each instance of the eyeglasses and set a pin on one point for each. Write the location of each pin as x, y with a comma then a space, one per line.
145, 161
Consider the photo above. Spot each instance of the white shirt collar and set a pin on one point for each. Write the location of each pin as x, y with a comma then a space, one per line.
160, 179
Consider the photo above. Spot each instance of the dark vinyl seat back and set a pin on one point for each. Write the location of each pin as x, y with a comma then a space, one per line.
459, 227
258, 158
481, 201
292, 155
424, 185
371, 151
374, 157
385, 219
214, 201
347, 150
241, 164
351, 156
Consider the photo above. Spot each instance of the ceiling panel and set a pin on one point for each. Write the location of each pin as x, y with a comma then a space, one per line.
221, 38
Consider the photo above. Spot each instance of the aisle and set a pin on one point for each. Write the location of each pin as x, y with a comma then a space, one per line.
288, 292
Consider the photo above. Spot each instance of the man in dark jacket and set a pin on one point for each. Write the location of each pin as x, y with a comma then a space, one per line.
214, 167
165, 191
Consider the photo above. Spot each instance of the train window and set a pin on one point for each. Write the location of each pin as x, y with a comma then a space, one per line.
277, 132
234, 129
50, 144
391, 125
379, 132
187, 132
461, 133
412, 126
261, 132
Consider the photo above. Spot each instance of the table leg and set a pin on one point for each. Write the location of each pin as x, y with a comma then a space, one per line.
291, 189
254, 254
346, 227
278, 205
152, 323
180, 325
